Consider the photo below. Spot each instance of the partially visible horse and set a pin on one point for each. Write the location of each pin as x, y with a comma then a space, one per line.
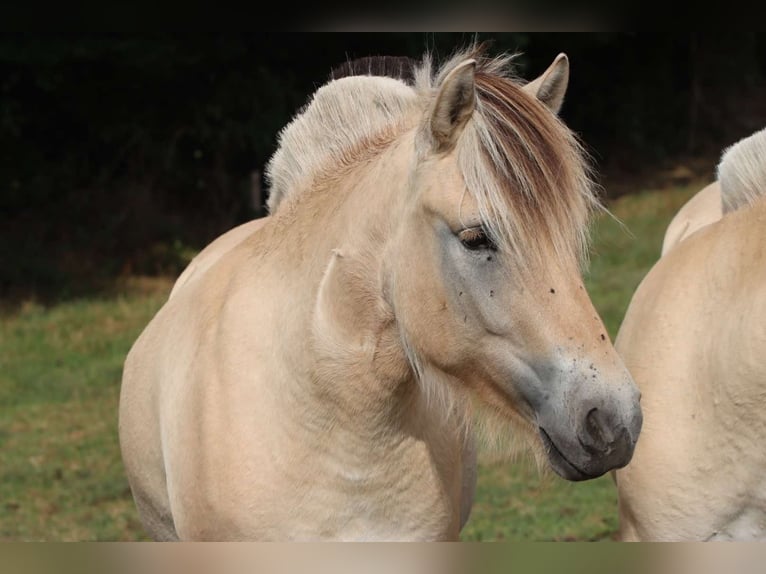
694, 339
314, 375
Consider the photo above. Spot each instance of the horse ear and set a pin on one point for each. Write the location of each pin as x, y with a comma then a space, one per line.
551, 86
453, 106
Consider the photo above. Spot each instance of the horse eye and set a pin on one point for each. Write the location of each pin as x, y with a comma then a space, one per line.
475, 238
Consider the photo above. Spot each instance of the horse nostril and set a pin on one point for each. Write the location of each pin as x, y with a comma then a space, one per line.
604, 437
594, 438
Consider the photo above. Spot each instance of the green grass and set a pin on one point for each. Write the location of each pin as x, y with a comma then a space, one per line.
60, 470
61, 476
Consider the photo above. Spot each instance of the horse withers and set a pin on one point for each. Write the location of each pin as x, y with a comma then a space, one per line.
314, 375
694, 338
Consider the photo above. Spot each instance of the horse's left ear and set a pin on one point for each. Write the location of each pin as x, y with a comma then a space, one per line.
453, 106
551, 86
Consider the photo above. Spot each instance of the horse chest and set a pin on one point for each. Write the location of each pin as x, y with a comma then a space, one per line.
378, 521
401, 502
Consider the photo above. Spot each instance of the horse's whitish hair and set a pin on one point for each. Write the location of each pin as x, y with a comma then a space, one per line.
742, 172
330, 132
526, 169
399, 67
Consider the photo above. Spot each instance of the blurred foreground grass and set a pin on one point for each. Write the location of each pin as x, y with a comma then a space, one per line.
61, 476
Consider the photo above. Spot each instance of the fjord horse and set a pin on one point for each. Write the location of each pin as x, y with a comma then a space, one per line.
314, 375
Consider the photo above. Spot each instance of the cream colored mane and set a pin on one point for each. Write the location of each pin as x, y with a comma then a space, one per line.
326, 134
742, 172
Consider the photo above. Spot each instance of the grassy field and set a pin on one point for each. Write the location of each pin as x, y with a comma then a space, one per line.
60, 471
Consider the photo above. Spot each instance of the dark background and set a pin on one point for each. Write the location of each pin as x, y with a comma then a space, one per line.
120, 154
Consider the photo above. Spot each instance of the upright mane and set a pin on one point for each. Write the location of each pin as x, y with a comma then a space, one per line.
398, 67
342, 114
526, 169
742, 172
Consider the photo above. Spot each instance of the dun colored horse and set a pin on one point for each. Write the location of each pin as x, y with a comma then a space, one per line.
314, 375
694, 338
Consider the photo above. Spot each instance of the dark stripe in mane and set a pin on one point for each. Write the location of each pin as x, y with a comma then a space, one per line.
398, 67
544, 188
538, 152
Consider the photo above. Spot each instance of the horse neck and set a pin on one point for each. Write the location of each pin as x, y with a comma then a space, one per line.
337, 235
350, 376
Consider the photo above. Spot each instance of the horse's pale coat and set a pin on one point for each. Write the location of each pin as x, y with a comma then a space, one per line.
702, 209
694, 338
312, 374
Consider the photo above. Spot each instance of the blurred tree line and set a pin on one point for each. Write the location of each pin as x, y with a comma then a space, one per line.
123, 154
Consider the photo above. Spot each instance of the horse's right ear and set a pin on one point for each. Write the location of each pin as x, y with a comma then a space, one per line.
551, 86
453, 105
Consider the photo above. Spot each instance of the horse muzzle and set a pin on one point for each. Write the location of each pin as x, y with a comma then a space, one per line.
596, 440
